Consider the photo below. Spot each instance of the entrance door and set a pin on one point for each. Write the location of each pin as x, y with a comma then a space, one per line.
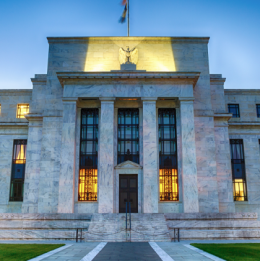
128, 192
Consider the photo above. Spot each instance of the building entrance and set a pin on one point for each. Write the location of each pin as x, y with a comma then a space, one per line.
128, 192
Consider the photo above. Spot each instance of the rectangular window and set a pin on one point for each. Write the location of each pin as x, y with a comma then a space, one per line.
168, 174
128, 135
22, 110
238, 170
88, 173
234, 109
18, 170
258, 110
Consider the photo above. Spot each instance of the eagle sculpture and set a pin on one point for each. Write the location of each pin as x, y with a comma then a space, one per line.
128, 56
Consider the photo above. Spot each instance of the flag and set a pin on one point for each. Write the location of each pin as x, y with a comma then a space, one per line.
122, 18
124, 2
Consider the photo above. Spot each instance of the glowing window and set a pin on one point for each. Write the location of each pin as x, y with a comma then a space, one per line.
168, 174
18, 170
88, 155
22, 110
238, 170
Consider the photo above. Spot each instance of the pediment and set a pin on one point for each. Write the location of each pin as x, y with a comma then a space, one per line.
128, 165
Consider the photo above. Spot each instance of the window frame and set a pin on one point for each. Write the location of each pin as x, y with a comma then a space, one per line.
257, 114
166, 164
135, 127
235, 162
88, 162
16, 181
18, 113
237, 115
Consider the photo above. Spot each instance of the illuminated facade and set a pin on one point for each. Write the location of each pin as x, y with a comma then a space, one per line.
92, 135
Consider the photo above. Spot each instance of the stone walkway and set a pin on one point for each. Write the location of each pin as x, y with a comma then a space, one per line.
166, 251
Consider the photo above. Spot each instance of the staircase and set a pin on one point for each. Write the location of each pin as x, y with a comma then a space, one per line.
112, 228
144, 227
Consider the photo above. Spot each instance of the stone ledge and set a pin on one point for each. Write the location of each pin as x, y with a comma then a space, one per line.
71, 77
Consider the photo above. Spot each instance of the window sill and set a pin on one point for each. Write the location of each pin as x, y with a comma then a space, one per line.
241, 202
170, 201
93, 201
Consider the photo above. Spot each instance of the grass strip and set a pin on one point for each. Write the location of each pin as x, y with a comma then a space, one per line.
24, 252
233, 252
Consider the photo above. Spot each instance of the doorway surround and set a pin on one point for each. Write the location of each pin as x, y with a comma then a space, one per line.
129, 167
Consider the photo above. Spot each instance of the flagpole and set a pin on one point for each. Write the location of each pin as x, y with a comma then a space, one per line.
128, 32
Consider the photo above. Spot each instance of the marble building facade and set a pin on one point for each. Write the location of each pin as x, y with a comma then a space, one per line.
172, 73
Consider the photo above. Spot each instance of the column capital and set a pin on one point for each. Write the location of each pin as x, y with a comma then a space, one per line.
107, 99
149, 99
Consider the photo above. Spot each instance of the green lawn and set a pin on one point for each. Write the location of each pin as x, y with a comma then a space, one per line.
23, 252
233, 252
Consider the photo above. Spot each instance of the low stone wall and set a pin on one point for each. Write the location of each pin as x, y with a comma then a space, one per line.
214, 225
42, 226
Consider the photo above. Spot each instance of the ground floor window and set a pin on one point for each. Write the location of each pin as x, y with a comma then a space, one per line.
238, 170
168, 174
18, 170
88, 173
88, 185
168, 185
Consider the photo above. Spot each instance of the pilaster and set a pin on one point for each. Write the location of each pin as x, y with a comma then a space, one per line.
68, 156
189, 167
106, 157
150, 157
33, 158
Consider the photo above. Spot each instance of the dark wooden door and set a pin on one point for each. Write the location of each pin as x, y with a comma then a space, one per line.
128, 192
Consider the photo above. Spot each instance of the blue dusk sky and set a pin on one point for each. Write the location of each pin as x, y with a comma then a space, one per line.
233, 28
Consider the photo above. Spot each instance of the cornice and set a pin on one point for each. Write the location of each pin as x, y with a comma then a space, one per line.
242, 91
244, 123
15, 92
14, 124
72, 77
84, 40
34, 117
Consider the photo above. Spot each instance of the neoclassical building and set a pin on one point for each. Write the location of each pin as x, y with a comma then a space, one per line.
148, 125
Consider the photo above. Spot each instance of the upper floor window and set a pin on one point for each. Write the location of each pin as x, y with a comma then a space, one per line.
22, 110
234, 109
88, 173
258, 110
128, 135
168, 173
238, 170
18, 170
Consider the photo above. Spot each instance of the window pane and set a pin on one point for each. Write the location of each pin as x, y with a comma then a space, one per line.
168, 174
128, 135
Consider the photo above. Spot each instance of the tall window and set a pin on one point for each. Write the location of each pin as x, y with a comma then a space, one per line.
258, 110
234, 109
168, 174
18, 170
128, 135
88, 155
238, 170
22, 110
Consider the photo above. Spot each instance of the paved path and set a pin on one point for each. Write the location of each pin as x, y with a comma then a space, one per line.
166, 251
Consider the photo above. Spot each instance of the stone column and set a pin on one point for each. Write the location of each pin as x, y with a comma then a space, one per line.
189, 166
106, 157
68, 156
33, 160
150, 157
